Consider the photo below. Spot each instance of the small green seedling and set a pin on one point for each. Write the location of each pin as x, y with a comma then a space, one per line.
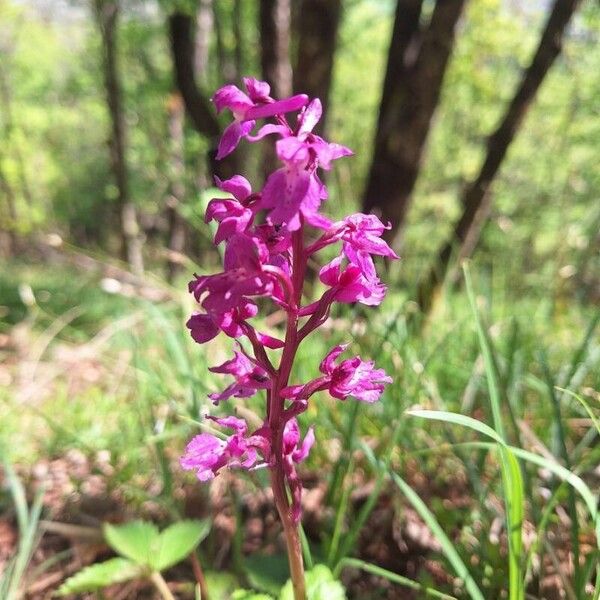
144, 553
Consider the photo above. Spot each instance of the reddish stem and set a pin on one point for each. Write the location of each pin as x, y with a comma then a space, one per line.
277, 421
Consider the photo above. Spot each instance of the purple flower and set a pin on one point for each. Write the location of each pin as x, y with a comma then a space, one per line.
207, 454
295, 191
204, 327
353, 377
246, 108
248, 378
232, 215
243, 276
363, 233
294, 453
358, 282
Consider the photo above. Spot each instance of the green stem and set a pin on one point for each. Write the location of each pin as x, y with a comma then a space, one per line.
161, 585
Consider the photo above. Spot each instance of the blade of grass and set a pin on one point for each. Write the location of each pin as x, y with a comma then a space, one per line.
561, 450
339, 520
355, 563
447, 547
512, 481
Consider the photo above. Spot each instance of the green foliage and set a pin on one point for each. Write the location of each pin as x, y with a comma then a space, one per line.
100, 575
146, 550
141, 541
267, 573
12, 576
320, 585
249, 595
177, 541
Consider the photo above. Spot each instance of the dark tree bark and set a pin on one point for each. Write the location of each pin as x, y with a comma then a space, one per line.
477, 199
417, 61
274, 21
176, 233
317, 28
274, 25
204, 27
197, 106
107, 13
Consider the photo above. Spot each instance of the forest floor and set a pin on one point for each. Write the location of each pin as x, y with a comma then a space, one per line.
83, 418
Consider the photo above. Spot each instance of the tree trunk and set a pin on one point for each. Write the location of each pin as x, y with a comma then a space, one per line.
417, 61
477, 198
107, 12
274, 21
317, 26
197, 106
204, 27
274, 25
176, 243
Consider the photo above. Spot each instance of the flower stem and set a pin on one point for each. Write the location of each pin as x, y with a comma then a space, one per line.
161, 586
277, 422
291, 533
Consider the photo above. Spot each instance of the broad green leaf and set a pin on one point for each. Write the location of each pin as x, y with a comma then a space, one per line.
320, 585
135, 540
267, 573
100, 575
177, 541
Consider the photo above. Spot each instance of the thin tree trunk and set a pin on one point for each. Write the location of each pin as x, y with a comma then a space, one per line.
204, 27
107, 12
274, 21
197, 106
176, 233
239, 52
317, 26
274, 25
477, 199
417, 61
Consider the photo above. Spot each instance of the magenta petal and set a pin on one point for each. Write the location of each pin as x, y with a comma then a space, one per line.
279, 107
239, 425
268, 129
238, 365
302, 452
310, 117
229, 140
204, 453
330, 273
237, 186
257, 90
327, 364
230, 96
202, 328
269, 342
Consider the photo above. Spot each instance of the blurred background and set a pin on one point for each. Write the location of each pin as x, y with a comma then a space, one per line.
476, 131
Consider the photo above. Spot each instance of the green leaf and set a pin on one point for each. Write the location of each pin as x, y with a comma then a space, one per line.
136, 540
267, 573
249, 595
221, 584
447, 546
391, 576
320, 585
457, 419
100, 575
177, 541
